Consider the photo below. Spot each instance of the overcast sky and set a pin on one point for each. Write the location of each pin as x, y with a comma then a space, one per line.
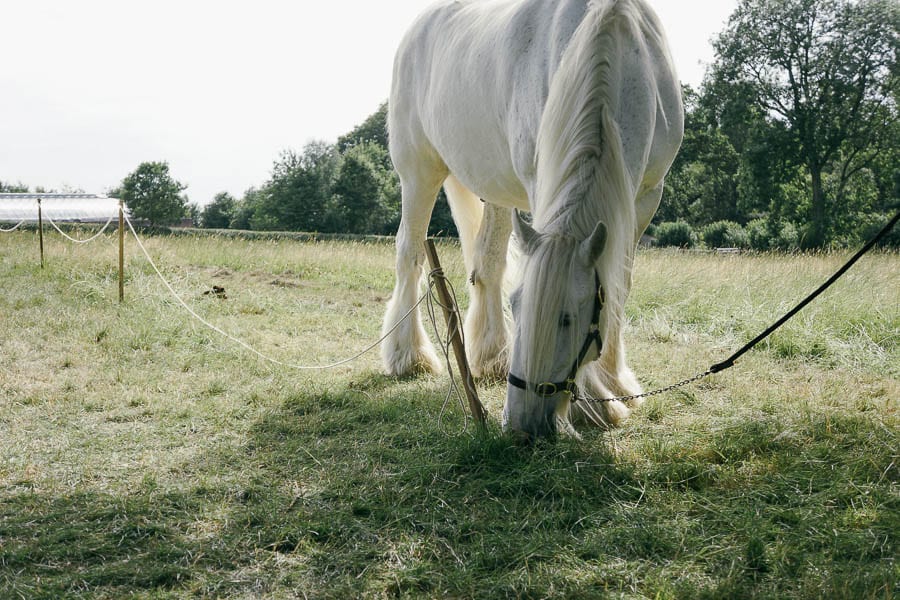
89, 89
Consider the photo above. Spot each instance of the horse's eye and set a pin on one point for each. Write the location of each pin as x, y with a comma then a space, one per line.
565, 321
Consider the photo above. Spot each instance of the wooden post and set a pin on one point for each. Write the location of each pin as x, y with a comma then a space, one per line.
451, 313
41, 232
121, 251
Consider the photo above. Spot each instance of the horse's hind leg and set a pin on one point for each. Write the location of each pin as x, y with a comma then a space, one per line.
407, 349
484, 242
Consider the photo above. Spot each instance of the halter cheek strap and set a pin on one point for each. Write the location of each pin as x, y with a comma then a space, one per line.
551, 388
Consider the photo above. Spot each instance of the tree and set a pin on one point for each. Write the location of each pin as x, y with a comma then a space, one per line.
828, 70
13, 188
192, 212
218, 213
297, 194
245, 208
702, 185
373, 129
366, 194
152, 195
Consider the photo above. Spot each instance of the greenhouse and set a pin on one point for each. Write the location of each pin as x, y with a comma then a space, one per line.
76, 208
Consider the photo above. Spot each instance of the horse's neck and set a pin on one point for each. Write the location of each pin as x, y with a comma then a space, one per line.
576, 210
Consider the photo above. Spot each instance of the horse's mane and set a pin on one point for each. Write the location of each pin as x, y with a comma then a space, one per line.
582, 178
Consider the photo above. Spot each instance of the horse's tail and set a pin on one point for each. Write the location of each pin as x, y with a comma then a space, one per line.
579, 149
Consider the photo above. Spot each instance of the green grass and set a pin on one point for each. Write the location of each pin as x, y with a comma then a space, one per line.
146, 456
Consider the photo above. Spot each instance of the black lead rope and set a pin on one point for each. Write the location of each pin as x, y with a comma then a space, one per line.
727, 364
730, 361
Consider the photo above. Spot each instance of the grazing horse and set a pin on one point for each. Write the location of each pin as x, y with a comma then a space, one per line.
569, 110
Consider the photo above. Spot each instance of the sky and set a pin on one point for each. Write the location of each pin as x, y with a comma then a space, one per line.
218, 89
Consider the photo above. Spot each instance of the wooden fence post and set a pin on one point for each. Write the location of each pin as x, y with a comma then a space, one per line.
121, 251
41, 231
451, 314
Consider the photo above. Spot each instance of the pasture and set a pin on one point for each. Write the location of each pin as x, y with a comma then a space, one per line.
146, 456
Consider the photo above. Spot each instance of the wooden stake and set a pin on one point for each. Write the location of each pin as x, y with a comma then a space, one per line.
41, 232
121, 251
451, 314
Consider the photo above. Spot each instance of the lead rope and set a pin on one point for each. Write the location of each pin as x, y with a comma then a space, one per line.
730, 361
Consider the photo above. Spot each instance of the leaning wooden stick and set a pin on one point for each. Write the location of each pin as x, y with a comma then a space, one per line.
451, 313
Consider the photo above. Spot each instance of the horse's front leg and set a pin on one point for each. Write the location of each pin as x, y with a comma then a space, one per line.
597, 384
610, 376
407, 349
620, 378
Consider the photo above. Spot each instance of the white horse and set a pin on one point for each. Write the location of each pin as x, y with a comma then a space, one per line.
570, 110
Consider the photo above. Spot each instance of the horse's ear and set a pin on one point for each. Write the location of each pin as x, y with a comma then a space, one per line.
525, 232
593, 247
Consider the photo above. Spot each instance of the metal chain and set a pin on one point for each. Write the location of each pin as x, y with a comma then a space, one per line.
669, 388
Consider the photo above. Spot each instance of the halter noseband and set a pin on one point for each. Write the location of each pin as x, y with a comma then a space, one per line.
550, 388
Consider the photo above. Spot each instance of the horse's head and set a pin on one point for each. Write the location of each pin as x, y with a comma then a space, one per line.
558, 326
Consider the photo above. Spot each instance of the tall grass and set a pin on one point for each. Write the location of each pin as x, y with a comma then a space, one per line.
145, 455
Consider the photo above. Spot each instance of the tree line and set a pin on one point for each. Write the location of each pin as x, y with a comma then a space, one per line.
346, 187
792, 141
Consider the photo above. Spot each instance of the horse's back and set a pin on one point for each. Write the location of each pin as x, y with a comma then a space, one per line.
471, 80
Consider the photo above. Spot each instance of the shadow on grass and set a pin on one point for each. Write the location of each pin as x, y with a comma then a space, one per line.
52, 546
359, 492
383, 501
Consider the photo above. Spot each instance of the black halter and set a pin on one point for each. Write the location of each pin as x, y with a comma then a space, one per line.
550, 388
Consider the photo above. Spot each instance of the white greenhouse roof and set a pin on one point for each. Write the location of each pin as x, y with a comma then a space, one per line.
59, 207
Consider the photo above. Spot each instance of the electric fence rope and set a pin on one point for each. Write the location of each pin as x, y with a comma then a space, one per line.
71, 239
247, 346
16, 226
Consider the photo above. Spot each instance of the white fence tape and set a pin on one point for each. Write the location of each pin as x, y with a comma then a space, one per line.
247, 346
71, 239
16, 226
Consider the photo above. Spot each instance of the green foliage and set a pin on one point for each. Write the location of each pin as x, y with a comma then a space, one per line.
297, 196
702, 185
244, 210
192, 212
151, 194
219, 213
13, 188
870, 225
725, 234
850, 201
373, 130
350, 187
366, 195
766, 234
826, 70
675, 234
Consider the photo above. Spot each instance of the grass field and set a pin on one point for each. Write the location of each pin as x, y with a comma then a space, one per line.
146, 456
